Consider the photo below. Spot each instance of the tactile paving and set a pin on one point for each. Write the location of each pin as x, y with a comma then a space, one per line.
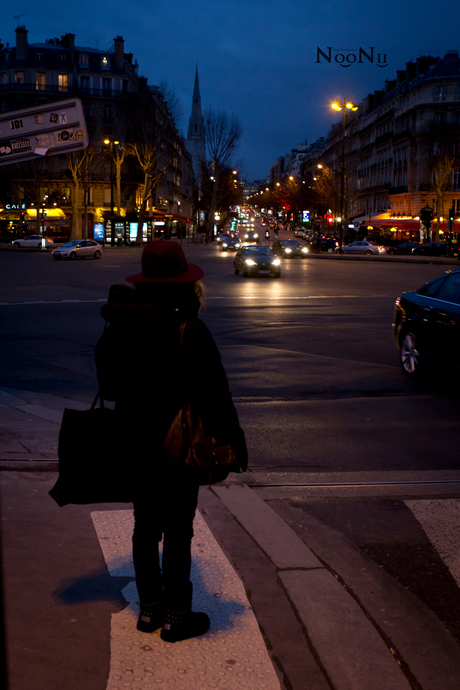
231, 656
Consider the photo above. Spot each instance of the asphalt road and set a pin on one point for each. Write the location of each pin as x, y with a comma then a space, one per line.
310, 357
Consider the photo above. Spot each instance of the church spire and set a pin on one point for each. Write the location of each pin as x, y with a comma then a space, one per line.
196, 124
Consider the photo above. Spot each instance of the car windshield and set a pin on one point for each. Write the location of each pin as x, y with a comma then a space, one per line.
70, 244
290, 243
258, 250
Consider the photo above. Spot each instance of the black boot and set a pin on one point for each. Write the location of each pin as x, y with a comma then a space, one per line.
181, 625
151, 616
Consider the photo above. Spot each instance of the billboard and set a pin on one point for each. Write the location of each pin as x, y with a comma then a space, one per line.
44, 130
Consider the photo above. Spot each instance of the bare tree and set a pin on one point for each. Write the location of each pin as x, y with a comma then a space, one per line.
172, 102
223, 133
441, 182
154, 160
79, 164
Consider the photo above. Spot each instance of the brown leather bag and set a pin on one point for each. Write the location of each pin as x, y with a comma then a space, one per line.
186, 445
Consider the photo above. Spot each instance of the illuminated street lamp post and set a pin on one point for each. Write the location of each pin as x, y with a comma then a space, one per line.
346, 105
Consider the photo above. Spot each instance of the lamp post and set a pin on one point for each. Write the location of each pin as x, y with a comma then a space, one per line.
346, 105
109, 142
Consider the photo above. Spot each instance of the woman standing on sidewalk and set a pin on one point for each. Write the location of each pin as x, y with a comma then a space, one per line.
141, 367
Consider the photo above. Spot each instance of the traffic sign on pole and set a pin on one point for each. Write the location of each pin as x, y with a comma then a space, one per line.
49, 129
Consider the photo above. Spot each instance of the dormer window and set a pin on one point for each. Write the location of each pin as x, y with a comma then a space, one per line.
83, 60
105, 61
61, 58
39, 55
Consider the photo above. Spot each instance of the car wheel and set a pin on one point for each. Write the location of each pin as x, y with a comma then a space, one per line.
236, 271
73, 255
340, 251
391, 251
368, 252
97, 254
16, 245
410, 358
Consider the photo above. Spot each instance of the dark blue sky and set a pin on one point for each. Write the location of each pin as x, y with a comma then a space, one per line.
255, 58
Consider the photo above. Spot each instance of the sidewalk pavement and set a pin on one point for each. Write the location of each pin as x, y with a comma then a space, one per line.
289, 610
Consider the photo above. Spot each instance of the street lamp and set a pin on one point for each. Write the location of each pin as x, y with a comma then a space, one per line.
346, 105
108, 142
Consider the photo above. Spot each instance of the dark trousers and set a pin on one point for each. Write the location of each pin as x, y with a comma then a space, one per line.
165, 512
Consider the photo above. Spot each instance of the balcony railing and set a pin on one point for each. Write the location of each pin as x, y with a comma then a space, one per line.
52, 88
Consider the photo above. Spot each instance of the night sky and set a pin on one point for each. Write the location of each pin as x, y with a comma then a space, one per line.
257, 58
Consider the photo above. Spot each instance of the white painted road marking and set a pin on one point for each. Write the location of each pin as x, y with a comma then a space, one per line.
231, 656
440, 520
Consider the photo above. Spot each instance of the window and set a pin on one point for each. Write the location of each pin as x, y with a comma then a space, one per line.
449, 290
40, 79
61, 58
39, 55
106, 87
19, 77
124, 83
83, 60
84, 84
108, 114
62, 82
4, 78
104, 61
456, 178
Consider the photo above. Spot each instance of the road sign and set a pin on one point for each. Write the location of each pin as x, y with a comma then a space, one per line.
44, 130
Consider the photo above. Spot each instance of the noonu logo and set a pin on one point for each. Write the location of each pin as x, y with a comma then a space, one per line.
346, 57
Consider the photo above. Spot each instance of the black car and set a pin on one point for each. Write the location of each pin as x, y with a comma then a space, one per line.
230, 243
289, 249
432, 249
403, 248
256, 260
427, 324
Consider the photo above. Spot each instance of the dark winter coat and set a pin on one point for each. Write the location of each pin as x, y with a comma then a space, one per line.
139, 365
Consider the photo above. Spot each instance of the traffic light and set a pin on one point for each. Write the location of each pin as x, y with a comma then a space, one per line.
451, 214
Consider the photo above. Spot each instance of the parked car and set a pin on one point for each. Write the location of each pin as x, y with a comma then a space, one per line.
299, 232
78, 249
256, 260
230, 243
289, 249
426, 324
432, 249
33, 241
360, 247
403, 248
329, 245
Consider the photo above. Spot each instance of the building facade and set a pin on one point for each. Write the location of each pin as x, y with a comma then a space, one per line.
114, 97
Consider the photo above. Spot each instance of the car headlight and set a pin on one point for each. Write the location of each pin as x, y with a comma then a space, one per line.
246, 237
288, 251
276, 262
250, 262
237, 246
225, 244
256, 235
305, 250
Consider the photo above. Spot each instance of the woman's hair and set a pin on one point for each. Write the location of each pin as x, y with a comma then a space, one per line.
185, 298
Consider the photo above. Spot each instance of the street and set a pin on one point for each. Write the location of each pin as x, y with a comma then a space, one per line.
344, 448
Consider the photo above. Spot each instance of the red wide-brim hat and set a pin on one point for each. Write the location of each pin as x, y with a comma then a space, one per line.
163, 261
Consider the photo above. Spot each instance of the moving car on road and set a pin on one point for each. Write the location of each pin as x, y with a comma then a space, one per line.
426, 324
259, 260
361, 247
289, 249
251, 236
33, 241
78, 249
230, 243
